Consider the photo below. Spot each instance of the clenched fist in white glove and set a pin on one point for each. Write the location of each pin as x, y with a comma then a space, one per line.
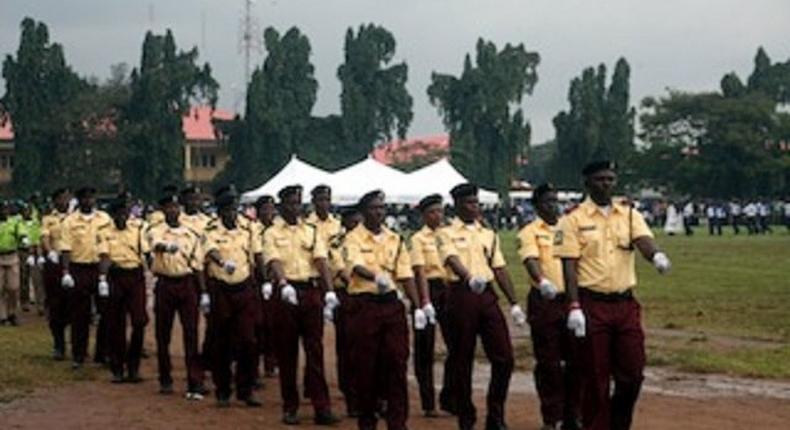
30, 261
266, 290
229, 266
383, 282
662, 263
547, 289
430, 313
329, 314
331, 301
205, 303
420, 320
53, 257
477, 284
41, 260
103, 289
577, 323
171, 247
288, 294
67, 281
518, 315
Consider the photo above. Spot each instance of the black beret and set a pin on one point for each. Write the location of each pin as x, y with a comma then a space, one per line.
320, 189
168, 198
369, 197
226, 196
463, 190
118, 203
288, 191
192, 189
541, 190
428, 201
86, 191
597, 166
348, 211
264, 199
59, 192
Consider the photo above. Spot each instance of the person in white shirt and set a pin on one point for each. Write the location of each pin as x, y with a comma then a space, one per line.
764, 216
721, 217
786, 207
713, 220
750, 210
688, 215
674, 223
735, 213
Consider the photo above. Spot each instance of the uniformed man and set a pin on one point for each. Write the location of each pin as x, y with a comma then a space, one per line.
51, 235
31, 260
121, 271
327, 225
556, 366
177, 262
158, 215
80, 245
192, 217
474, 258
13, 239
341, 272
596, 243
232, 252
266, 211
296, 256
430, 276
377, 328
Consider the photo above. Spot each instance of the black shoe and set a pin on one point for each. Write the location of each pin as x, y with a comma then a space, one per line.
58, 355
326, 418
144, 354
448, 407
252, 401
166, 388
495, 425
223, 402
12, 321
571, 424
200, 389
258, 384
290, 419
117, 378
77, 365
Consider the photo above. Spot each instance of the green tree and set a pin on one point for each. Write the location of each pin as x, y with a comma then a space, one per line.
374, 101
163, 89
39, 84
481, 110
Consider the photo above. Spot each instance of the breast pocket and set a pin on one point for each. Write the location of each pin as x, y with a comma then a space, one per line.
591, 241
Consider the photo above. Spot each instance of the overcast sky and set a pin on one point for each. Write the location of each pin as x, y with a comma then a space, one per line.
680, 44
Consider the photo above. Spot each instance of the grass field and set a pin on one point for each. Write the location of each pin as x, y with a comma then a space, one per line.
723, 308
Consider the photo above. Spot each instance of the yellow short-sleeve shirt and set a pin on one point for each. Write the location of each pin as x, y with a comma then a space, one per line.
188, 258
536, 240
51, 229
296, 247
126, 247
601, 243
476, 246
425, 253
379, 253
82, 235
234, 245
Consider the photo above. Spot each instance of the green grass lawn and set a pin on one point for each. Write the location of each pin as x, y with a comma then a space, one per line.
723, 308
26, 363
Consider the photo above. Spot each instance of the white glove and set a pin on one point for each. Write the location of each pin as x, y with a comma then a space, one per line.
331, 301
430, 313
229, 267
547, 289
266, 290
30, 261
420, 320
205, 303
288, 294
329, 314
662, 263
383, 282
67, 281
577, 322
41, 260
518, 315
53, 257
477, 284
171, 247
103, 288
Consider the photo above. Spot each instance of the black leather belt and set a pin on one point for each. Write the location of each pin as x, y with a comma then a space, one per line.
607, 297
390, 297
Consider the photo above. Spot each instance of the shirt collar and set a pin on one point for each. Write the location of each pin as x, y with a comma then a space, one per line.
591, 208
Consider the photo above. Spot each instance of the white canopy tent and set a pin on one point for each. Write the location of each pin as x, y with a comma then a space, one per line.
295, 172
439, 178
350, 184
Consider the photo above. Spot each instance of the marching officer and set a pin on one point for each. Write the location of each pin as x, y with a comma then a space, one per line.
596, 243
474, 256
266, 212
326, 224
121, 271
556, 368
177, 262
192, 217
429, 275
51, 234
81, 242
377, 329
297, 256
30, 266
231, 255
13, 239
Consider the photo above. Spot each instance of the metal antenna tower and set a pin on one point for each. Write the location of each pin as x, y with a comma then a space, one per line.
250, 39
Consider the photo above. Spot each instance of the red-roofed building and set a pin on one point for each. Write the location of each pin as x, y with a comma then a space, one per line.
400, 152
205, 152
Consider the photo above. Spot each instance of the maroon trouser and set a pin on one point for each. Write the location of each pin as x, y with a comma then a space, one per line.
556, 364
57, 305
378, 335
344, 368
266, 340
177, 294
613, 349
468, 315
102, 345
305, 320
86, 276
127, 297
234, 312
424, 350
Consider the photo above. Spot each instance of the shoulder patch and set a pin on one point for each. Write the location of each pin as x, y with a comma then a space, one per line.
558, 237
